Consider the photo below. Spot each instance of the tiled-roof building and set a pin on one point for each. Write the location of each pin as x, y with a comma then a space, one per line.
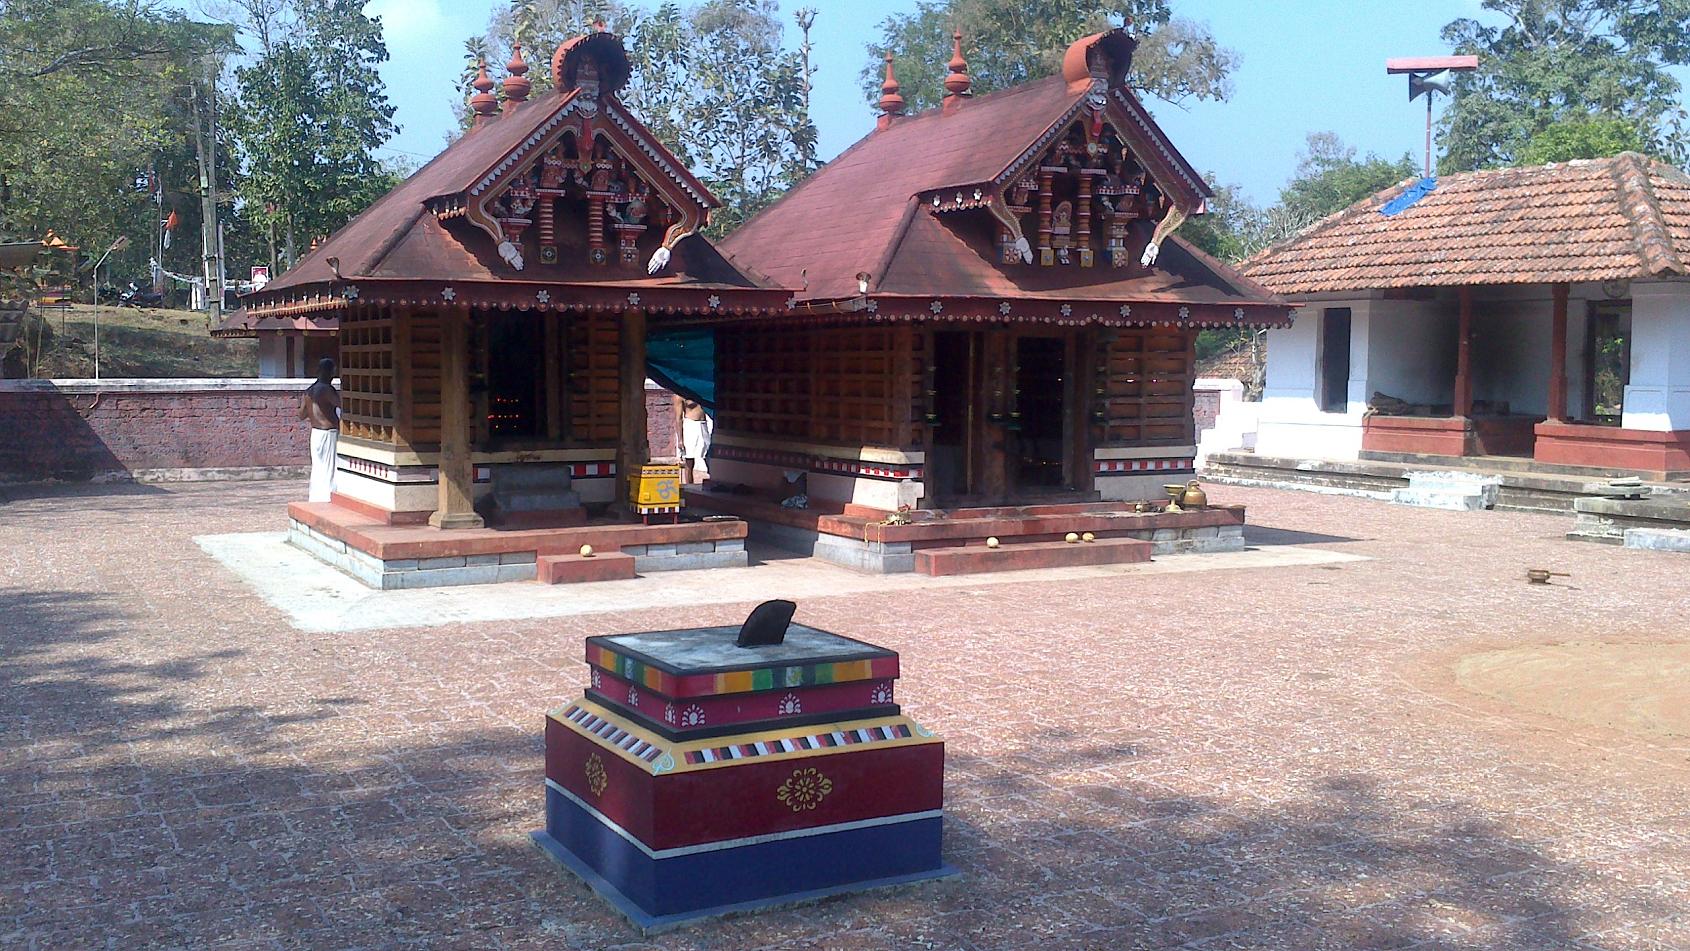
992, 306
1540, 312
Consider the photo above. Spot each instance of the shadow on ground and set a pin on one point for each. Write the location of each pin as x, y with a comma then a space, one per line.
141, 815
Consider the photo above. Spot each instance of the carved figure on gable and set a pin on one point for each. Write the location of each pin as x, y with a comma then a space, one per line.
1062, 228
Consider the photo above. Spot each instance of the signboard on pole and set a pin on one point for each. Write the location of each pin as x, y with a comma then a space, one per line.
260, 277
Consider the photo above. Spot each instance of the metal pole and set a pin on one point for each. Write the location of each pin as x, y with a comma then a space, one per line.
1429, 97
96, 343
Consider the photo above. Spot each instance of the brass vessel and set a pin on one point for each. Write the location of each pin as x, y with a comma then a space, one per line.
1193, 497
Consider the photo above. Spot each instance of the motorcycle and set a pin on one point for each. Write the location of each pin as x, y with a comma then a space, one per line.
135, 296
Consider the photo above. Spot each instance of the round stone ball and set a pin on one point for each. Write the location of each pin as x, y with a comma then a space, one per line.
1070, 538
1088, 537
992, 542
586, 551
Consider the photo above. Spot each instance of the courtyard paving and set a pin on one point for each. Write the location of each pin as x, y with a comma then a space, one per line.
1274, 754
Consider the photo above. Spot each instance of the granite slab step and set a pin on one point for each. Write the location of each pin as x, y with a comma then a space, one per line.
1658, 539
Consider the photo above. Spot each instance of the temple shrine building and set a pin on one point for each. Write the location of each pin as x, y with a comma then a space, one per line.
992, 308
976, 321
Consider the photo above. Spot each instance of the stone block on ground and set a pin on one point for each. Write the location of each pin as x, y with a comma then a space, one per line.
570, 569
1658, 539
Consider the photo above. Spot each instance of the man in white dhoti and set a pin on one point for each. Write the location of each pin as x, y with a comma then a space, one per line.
694, 427
321, 407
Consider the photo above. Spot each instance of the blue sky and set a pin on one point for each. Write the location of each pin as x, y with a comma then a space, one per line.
1307, 66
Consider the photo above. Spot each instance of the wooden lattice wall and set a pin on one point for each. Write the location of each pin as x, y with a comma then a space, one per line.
846, 386
367, 390
593, 354
419, 337
1148, 376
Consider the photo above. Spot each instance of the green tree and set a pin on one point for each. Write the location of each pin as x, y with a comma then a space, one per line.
1585, 137
312, 110
711, 81
1554, 61
1007, 42
1330, 178
90, 100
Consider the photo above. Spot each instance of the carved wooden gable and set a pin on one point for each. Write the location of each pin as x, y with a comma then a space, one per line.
591, 184
1070, 199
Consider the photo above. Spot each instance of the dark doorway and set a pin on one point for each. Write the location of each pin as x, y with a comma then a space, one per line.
1607, 363
1041, 384
516, 376
1334, 381
951, 467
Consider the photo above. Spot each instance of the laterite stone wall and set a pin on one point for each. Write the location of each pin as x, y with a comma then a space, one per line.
76, 430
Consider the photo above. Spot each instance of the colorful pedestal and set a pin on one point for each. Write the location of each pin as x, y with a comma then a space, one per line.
696, 778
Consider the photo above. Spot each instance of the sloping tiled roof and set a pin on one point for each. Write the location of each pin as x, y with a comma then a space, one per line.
1595, 220
849, 215
861, 212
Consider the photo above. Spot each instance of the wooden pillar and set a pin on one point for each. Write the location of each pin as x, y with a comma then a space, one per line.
456, 507
1047, 254
1464, 356
1558, 355
632, 444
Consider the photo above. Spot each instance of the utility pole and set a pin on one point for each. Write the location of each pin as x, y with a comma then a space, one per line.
211, 236
806, 17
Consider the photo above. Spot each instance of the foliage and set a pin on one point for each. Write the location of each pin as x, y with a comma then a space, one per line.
1330, 178
90, 98
1553, 61
1585, 137
1007, 42
711, 81
312, 109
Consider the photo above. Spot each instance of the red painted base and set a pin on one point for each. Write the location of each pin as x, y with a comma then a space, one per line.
1424, 435
1663, 455
384, 516
571, 569
973, 559
379, 539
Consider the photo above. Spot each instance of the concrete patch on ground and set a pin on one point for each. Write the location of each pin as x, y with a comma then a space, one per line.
316, 597
1637, 688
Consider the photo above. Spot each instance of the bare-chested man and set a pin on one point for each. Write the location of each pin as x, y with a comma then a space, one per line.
693, 427
321, 406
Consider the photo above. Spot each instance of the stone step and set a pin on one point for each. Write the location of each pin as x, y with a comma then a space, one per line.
976, 559
571, 569
1454, 501
1658, 539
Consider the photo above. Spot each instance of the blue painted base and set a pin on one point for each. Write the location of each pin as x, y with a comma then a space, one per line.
660, 893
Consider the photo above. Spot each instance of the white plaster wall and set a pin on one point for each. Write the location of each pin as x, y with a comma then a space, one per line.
1411, 351
1235, 422
1658, 399
272, 356
1291, 422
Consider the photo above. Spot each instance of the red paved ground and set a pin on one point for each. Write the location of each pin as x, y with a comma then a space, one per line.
1266, 758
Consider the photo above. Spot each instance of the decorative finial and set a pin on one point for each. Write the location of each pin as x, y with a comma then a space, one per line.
891, 104
517, 85
957, 83
598, 24
483, 103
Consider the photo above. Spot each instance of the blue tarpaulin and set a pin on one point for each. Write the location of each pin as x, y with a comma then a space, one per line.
684, 360
1406, 200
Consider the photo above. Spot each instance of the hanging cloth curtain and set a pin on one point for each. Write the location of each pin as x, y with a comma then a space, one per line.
683, 360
